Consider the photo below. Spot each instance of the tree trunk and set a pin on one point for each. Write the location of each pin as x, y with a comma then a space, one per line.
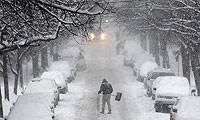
154, 46
143, 41
21, 80
16, 84
17, 74
195, 68
185, 62
1, 104
51, 47
44, 58
157, 49
151, 43
164, 52
5, 75
35, 64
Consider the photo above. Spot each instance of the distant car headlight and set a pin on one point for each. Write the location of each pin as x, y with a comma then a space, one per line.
103, 36
91, 36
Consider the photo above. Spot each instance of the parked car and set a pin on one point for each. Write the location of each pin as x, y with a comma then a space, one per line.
73, 52
128, 59
69, 72
186, 108
152, 75
168, 90
81, 65
144, 69
31, 107
120, 47
59, 78
44, 87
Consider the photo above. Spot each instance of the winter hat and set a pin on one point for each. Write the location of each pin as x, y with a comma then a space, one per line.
104, 81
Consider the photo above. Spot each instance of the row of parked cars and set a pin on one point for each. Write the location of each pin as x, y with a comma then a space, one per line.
172, 94
169, 92
42, 94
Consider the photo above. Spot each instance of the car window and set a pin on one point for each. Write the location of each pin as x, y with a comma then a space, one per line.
158, 74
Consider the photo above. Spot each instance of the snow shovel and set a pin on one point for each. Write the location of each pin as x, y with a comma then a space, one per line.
118, 96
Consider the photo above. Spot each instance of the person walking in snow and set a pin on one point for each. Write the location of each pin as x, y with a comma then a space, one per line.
106, 89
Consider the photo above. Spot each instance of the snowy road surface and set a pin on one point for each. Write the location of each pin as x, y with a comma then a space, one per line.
83, 102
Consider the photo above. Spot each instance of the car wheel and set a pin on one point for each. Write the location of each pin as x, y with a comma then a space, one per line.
148, 93
58, 97
158, 108
153, 97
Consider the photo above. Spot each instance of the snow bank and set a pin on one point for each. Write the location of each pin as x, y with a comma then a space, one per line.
71, 103
55, 75
173, 86
188, 108
8, 104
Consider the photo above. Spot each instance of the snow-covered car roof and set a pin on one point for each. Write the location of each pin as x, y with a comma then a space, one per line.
29, 107
146, 67
157, 72
60, 66
58, 76
44, 85
188, 108
173, 86
162, 70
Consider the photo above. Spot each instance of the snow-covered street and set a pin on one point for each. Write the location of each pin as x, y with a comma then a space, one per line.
99, 60
83, 103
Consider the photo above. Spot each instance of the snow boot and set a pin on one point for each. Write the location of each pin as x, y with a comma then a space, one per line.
102, 112
109, 112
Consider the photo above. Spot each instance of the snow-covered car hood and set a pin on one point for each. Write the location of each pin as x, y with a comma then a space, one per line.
31, 107
173, 86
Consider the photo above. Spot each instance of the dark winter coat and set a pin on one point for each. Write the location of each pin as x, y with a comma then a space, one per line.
106, 88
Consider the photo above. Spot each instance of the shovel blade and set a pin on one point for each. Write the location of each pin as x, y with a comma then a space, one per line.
118, 96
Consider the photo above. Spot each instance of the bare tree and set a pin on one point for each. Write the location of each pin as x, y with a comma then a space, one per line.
175, 17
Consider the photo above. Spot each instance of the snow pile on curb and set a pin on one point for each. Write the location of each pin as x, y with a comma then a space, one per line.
67, 107
8, 104
189, 108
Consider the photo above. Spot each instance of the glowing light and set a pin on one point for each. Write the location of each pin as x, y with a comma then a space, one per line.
103, 36
92, 36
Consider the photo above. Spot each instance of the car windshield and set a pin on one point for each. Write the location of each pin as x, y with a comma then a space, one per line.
158, 74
